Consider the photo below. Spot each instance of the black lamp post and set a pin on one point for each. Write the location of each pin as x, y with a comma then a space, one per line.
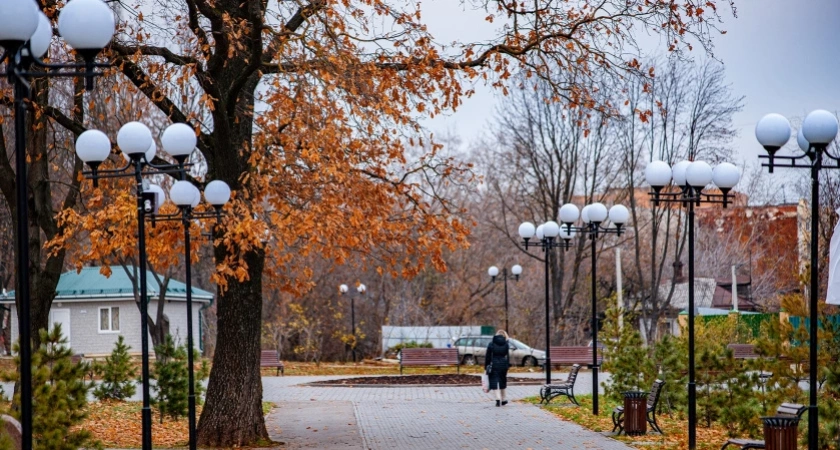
818, 130
361, 289
135, 140
593, 217
25, 35
186, 196
689, 179
549, 236
516, 270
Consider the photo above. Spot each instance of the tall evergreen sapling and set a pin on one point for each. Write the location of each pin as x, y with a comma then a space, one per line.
59, 396
626, 359
117, 374
172, 380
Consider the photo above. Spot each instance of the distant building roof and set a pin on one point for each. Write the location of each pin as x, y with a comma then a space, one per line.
90, 284
704, 291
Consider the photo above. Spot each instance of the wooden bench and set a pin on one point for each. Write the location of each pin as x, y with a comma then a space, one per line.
429, 357
785, 409
564, 356
650, 410
566, 388
270, 358
743, 351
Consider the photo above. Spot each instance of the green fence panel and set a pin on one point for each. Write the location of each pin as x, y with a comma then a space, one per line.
752, 321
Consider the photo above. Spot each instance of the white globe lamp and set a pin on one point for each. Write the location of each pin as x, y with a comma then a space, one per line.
658, 174
619, 215
819, 127
87, 26
698, 174
569, 213
179, 141
217, 193
678, 171
18, 23
597, 213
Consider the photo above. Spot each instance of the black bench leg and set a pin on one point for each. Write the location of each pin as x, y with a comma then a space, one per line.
652, 421
617, 418
571, 396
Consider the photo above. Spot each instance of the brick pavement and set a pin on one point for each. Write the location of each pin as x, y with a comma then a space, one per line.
417, 418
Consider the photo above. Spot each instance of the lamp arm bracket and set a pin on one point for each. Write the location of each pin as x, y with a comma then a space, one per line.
31, 73
67, 65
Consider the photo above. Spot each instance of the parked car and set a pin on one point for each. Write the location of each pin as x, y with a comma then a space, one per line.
472, 350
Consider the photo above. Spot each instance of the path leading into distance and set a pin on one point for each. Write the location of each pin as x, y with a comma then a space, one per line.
309, 417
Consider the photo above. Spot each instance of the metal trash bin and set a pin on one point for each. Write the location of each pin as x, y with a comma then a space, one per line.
780, 432
635, 413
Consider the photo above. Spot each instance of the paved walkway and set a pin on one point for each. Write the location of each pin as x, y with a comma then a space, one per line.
417, 418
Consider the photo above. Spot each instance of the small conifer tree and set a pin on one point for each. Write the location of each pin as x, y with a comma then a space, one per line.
671, 355
626, 359
172, 379
117, 374
59, 395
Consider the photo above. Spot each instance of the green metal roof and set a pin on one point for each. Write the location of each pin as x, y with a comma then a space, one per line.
89, 283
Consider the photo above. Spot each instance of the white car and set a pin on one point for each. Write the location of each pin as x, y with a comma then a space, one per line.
472, 349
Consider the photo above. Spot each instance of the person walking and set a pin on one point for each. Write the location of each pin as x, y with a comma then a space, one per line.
496, 364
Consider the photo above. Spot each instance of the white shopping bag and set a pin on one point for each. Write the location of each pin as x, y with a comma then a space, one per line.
485, 382
833, 295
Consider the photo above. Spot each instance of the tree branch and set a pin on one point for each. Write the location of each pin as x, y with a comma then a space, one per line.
151, 50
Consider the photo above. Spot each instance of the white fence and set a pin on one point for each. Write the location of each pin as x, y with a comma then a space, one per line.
439, 337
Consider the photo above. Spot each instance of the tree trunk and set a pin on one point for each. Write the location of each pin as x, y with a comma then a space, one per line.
232, 415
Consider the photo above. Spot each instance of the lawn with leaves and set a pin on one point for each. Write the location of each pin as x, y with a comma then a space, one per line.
675, 426
118, 425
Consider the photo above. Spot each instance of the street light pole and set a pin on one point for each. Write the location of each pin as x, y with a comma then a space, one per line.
25, 35
186, 196
516, 270
547, 238
818, 130
135, 141
593, 216
361, 289
689, 179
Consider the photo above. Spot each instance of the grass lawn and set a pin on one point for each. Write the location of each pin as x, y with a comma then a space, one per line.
675, 426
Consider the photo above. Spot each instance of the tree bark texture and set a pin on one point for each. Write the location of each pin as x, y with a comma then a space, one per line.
233, 413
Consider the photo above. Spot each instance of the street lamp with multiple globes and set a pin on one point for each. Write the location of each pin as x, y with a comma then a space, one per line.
593, 216
187, 197
25, 35
516, 270
361, 289
689, 179
549, 236
818, 130
135, 140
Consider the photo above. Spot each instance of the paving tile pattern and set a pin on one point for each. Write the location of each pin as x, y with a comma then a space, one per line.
418, 418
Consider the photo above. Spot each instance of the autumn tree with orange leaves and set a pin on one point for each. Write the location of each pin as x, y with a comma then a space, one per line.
306, 108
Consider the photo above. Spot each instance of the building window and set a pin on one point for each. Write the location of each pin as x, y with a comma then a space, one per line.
109, 319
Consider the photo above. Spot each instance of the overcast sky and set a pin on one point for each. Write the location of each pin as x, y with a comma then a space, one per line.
782, 55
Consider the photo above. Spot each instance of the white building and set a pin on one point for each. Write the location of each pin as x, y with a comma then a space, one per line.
94, 310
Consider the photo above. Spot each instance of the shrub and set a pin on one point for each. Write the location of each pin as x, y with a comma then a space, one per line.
410, 344
117, 374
